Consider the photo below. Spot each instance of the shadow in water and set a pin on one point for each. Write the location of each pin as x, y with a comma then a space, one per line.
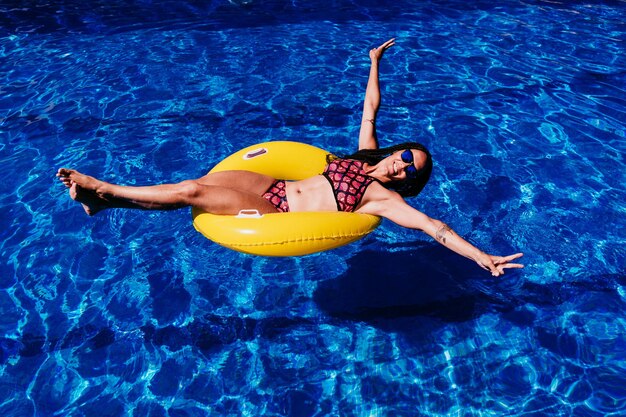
386, 289
426, 280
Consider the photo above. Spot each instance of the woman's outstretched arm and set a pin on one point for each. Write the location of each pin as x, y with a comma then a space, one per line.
367, 134
397, 210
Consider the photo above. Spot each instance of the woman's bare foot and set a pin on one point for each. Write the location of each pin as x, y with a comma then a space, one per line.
90, 201
83, 190
71, 176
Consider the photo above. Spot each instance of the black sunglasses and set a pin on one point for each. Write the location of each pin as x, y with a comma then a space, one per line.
407, 158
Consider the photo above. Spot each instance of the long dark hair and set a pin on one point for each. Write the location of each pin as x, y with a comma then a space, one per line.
408, 187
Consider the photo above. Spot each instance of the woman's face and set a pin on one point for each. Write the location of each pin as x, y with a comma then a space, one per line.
401, 164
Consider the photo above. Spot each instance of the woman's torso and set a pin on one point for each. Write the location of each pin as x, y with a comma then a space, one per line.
342, 187
311, 194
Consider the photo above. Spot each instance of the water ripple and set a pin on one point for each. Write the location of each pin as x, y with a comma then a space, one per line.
522, 106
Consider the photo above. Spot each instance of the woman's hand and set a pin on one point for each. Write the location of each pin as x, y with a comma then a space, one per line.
497, 264
377, 53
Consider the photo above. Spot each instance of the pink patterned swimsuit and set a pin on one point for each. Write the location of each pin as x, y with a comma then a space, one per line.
349, 182
346, 177
277, 195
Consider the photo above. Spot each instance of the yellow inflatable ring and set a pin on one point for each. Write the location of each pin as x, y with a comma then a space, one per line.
282, 234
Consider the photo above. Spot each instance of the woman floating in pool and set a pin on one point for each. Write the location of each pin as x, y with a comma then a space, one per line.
372, 181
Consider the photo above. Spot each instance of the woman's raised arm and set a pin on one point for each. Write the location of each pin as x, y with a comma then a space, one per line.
367, 134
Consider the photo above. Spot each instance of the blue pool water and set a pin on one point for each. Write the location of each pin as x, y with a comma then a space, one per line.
134, 313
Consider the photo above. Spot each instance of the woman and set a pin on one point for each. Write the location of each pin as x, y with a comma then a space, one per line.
371, 181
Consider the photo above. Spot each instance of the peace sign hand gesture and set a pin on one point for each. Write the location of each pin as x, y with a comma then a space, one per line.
497, 264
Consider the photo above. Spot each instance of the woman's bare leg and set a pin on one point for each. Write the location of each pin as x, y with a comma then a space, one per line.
215, 195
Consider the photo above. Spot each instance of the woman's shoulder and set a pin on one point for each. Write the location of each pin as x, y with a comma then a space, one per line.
377, 191
377, 199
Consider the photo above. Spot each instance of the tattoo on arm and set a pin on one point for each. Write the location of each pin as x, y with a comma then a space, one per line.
441, 232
